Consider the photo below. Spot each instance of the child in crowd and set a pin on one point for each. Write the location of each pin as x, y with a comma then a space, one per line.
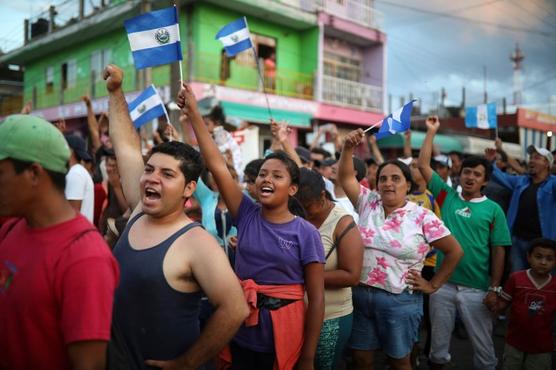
532, 296
279, 258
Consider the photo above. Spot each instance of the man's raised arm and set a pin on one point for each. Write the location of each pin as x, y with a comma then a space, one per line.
126, 141
424, 161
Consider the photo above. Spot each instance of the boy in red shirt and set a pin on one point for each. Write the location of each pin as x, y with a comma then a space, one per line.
532, 296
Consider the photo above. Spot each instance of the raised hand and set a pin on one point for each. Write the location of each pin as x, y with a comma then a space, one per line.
498, 144
86, 100
354, 138
432, 123
186, 100
27, 108
113, 76
280, 130
490, 154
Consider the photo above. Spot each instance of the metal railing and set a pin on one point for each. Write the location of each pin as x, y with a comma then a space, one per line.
360, 11
207, 68
350, 93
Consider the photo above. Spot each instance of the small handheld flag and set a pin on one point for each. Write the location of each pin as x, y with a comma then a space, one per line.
482, 116
396, 122
146, 107
235, 37
154, 38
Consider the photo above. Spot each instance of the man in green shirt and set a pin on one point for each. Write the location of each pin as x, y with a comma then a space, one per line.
479, 225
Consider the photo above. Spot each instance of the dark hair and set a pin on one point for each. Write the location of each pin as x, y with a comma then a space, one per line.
324, 152
293, 204
216, 115
252, 168
57, 178
456, 153
371, 162
474, 161
191, 163
405, 171
311, 186
542, 243
360, 168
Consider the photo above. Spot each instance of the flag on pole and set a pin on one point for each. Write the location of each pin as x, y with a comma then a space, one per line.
235, 37
482, 116
154, 38
146, 107
396, 122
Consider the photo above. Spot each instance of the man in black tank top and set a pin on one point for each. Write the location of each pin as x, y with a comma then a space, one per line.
166, 259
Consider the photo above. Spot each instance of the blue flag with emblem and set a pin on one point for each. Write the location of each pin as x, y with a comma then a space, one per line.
146, 107
235, 37
154, 38
396, 122
482, 116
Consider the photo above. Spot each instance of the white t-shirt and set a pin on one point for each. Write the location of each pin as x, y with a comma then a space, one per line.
79, 186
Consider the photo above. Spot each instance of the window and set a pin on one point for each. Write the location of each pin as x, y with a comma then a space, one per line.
99, 60
69, 74
341, 66
49, 78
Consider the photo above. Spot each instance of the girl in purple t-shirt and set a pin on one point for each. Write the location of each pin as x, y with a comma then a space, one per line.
275, 249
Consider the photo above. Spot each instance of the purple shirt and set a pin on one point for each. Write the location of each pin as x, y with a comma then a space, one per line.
271, 254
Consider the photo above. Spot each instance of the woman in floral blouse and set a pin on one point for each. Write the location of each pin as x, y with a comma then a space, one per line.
397, 235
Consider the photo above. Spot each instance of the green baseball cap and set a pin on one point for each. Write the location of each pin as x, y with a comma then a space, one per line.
32, 139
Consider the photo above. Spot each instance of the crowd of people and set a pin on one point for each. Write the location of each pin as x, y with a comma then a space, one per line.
183, 258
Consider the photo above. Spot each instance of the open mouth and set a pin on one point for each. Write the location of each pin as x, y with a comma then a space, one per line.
266, 190
151, 194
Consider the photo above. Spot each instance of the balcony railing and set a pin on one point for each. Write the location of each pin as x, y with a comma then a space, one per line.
207, 68
351, 94
359, 11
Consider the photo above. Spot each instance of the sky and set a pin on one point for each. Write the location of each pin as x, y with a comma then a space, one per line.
429, 46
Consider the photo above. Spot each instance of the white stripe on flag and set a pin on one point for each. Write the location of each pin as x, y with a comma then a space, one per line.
234, 38
147, 104
147, 39
482, 116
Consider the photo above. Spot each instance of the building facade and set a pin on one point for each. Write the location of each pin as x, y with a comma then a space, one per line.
322, 61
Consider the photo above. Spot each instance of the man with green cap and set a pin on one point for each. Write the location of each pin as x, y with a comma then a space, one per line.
57, 275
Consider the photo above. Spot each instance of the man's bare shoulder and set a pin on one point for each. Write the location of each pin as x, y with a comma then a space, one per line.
198, 240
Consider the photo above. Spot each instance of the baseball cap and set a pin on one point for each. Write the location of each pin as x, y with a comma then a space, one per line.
444, 160
79, 146
542, 151
32, 139
304, 154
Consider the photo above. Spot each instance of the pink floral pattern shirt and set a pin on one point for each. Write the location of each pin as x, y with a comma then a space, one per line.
394, 244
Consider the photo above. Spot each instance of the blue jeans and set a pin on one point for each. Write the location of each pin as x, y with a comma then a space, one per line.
518, 254
385, 320
468, 302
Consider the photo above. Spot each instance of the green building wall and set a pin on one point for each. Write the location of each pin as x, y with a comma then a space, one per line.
296, 56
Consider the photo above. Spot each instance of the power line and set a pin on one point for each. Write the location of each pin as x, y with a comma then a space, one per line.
402, 23
471, 20
514, 3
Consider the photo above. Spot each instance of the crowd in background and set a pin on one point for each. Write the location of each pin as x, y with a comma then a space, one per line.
187, 258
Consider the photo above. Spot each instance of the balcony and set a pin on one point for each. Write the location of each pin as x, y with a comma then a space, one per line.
207, 68
358, 11
351, 94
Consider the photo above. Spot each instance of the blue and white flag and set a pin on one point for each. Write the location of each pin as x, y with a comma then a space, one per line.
482, 116
396, 122
235, 37
154, 38
146, 107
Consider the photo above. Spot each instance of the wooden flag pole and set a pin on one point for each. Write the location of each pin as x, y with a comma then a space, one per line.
260, 75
